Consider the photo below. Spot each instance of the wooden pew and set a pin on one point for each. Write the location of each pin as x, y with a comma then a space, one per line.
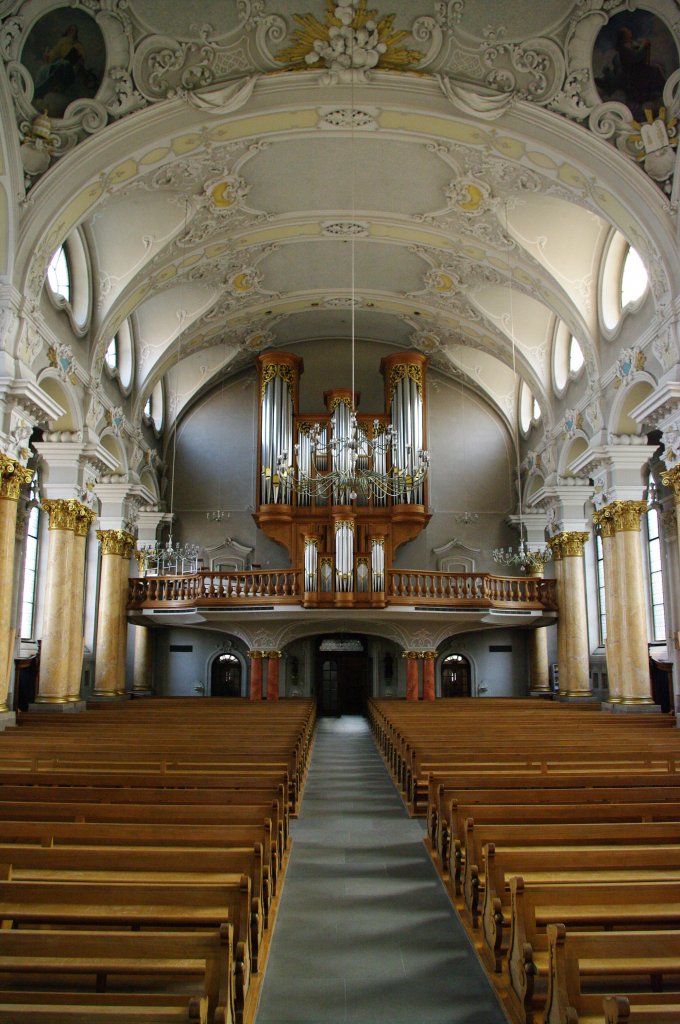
52, 1008
641, 905
580, 960
556, 866
137, 906
204, 958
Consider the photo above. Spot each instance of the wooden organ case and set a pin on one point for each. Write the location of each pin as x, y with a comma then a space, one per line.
343, 542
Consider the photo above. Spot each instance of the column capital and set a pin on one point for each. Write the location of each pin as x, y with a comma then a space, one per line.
13, 476
62, 512
429, 655
627, 514
116, 542
555, 544
671, 478
271, 654
604, 518
412, 655
84, 518
571, 543
256, 654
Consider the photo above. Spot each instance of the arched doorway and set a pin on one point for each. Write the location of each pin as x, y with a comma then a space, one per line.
456, 676
342, 673
225, 676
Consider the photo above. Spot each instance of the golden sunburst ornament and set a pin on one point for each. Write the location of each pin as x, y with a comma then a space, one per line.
350, 37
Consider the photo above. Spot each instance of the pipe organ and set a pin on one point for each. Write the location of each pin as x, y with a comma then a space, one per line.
342, 490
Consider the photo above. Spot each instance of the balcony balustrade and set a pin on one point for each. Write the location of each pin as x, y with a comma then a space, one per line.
474, 591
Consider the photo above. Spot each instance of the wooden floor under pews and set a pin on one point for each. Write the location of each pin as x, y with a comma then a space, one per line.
557, 832
142, 852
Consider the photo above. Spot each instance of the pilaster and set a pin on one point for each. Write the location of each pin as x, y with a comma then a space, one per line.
13, 476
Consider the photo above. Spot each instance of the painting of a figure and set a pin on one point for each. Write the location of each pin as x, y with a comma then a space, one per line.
634, 54
65, 55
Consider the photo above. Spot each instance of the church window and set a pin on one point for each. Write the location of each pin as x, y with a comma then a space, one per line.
59, 274
529, 409
601, 606
567, 358
634, 279
154, 408
111, 355
30, 568
658, 612
576, 359
624, 282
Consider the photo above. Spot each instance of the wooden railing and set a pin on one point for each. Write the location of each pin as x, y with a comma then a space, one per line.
472, 590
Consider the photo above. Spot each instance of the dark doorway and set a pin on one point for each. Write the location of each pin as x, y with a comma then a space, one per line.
456, 676
342, 679
225, 676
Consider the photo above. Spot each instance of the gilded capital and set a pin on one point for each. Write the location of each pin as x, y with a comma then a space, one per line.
572, 544
116, 542
272, 654
255, 654
627, 514
62, 513
13, 476
555, 544
411, 655
85, 516
671, 478
429, 655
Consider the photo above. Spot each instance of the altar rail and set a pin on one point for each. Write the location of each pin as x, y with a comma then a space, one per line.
472, 590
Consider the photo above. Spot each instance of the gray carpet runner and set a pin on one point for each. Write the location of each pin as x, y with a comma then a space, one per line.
365, 930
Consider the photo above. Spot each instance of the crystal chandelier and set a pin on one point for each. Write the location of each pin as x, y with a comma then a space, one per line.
168, 560
362, 466
525, 560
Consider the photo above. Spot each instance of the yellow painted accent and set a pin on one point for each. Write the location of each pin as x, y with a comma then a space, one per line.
277, 232
221, 193
281, 121
475, 198
166, 274
541, 160
619, 214
571, 176
445, 283
431, 125
154, 155
74, 212
513, 148
123, 172
192, 260
215, 250
186, 143
242, 283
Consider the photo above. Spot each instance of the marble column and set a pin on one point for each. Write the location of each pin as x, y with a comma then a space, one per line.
428, 675
12, 477
562, 667
123, 632
412, 658
116, 546
273, 662
143, 660
56, 649
84, 517
635, 680
255, 674
614, 603
577, 652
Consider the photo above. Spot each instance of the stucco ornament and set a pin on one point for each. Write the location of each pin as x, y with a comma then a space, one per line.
573, 421
350, 38
62, 359
628, 365
671, 454
654, 142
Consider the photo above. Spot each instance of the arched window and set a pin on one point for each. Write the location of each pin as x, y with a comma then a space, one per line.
624, 282
634, 279
119, 357
30, 566
576, 358
567, 358
225, 676
59, 274
111, 355
601, 606
529, 409
154, 407
654, 563
456, 676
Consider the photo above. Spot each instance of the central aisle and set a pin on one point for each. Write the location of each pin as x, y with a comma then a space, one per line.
365, 930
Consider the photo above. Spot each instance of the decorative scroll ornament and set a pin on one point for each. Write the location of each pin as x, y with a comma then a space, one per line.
62, 513
350, 37
628, 365
84, 519
116, 542
571, 544
282, 370
573, 421
403, 370
605, 521
627, 515
655, 141
116, 418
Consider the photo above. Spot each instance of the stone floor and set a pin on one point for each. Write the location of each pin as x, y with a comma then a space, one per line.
365, 931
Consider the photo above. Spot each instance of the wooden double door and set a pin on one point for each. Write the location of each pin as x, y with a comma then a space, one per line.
342, 682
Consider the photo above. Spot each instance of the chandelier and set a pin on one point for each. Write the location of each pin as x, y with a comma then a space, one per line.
525, 560
168, 559
353, 465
